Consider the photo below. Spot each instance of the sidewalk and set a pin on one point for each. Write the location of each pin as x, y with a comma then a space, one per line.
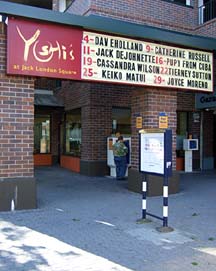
89, 224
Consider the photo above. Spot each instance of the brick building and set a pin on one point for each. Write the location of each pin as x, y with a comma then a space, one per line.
56, 120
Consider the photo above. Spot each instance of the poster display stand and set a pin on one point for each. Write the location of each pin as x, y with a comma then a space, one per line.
156, 158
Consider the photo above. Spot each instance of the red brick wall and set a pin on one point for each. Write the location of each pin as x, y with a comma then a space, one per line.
73, 94
96, 101
207, 29
162, 14
45, 83
81, 7
186, 101
16, 120
147, 103
96, 127
158, 13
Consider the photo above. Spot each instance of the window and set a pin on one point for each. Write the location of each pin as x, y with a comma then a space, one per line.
64, 4
42, 134
182, 123
73, 133
208, 10
182, 131
58, 83
35, 3
68, 3
182, 2
121, 120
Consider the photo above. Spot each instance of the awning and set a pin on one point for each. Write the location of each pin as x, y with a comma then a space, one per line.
42, 99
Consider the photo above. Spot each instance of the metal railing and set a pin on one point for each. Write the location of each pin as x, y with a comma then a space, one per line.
207, 11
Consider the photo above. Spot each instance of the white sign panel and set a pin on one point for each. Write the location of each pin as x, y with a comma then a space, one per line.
120, 60
152, 153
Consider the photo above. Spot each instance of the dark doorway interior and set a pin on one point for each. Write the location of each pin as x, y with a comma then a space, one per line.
214, 141
34, 3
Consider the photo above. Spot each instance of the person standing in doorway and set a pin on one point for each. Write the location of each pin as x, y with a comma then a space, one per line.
120, 151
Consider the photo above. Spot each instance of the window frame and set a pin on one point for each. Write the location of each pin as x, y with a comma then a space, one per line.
75, 152
49, 117
187, 3
115, 123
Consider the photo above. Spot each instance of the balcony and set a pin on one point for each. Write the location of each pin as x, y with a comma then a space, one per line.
207, 11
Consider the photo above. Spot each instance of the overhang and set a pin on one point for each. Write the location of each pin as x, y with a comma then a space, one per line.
46, 98
109, 25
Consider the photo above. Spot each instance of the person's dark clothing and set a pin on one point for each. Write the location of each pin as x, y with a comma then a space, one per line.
120, 152
121, 166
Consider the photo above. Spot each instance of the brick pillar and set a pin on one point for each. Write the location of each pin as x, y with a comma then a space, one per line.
96, 126
17, 185
148, 103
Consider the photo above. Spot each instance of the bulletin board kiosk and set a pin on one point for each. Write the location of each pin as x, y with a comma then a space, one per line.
156, 152
156, 158
189, 145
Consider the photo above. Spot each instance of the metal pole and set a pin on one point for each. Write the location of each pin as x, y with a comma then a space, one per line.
165, 202
144, 192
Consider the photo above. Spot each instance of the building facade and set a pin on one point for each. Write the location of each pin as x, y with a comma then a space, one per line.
55, 120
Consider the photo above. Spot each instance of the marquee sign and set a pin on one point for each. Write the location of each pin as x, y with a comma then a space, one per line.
40, 49
64, 52
120, 60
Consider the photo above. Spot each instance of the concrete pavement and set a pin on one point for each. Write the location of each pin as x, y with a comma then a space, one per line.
90, 224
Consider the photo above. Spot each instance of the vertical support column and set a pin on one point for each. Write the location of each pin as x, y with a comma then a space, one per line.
96, 120
17, 186
148, 103
165, 202
144, 193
